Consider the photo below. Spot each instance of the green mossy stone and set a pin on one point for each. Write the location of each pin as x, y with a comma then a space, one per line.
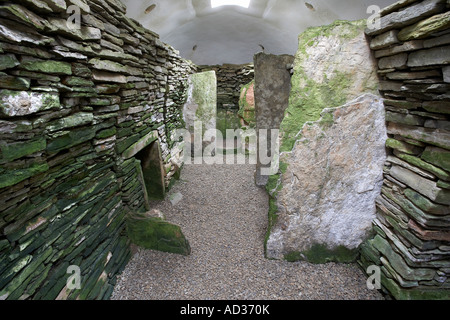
438, 157
157, 234
319, 254
425, 27
21, 103
18, 150
308, 98
11, 177
426, 166
106, 133
78, 81
8, 61
400, 293
70, 139
13, 83
46, 66
75, 120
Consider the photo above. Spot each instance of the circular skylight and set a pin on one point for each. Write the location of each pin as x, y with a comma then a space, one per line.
240, 3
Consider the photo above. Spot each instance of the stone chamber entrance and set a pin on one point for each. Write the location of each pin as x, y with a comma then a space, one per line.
99, 200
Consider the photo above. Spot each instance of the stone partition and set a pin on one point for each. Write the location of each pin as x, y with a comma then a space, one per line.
322, 200
77, 106
271, 94
411, 241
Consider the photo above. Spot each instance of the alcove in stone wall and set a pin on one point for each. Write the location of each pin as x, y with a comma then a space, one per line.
152, 170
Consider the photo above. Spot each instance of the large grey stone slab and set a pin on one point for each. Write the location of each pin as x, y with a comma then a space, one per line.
333, 176
272, 89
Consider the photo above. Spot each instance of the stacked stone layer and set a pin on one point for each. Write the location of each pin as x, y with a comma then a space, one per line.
76, 105
411, 242
230, 79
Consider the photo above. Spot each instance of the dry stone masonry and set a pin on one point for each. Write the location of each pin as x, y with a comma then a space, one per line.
77, 108
230, 79
412, 229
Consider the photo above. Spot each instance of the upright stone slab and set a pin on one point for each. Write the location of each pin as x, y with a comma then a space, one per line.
272, 88
327, 203
201, 104
332, 66
322, 200
200, 111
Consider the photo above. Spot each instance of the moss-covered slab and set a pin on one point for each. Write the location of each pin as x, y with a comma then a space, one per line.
425, 27
156, 234
140, 144
13, 83
11, 177
320, 82
13, 151
46, 66
320, 253
8, 61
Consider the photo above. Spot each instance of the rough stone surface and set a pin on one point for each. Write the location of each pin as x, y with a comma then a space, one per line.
20, 103
446, 72
77, 106
426, 27
408, 15
331, 68
384, 40
411, 231
201, 104
434, 56
332, 180
272, 88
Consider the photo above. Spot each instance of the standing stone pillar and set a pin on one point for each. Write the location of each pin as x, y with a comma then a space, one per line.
200, 108
272, 89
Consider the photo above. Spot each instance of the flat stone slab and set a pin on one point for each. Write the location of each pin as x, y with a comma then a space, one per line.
326, 204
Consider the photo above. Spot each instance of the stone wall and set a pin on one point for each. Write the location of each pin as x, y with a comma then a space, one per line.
230, 79
271, 93
76, 107
411, 241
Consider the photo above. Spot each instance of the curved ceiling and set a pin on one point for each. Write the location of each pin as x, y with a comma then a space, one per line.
233, 34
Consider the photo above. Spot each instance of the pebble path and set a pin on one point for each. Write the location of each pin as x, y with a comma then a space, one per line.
224, 216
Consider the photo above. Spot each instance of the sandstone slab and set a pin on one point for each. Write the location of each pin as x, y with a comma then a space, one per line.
332, 179
21, 103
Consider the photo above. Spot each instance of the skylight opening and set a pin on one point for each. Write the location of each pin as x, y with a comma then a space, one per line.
240, 3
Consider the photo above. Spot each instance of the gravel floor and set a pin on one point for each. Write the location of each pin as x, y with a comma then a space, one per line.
224, 216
